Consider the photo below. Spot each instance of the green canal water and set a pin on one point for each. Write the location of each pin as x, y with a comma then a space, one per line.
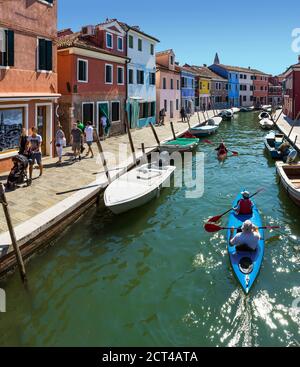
153, 277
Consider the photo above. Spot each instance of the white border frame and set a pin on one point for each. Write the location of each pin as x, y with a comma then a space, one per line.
87, 70
111, 102
112, 74
123, 69
82, 104
112, 40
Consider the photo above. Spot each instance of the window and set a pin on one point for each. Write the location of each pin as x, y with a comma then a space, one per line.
172, 84
177, 82
115, 111
120, 75
152, 78
130, 41
144, 106
164, 83
140, 76
109, 40
140, 44
151, 49
87, 112
177, 104
245, 98
172, 60
82, 71
152, 109
166, 105
11, 123
120, 44
44, 55
130, 76
108, 74
7, 47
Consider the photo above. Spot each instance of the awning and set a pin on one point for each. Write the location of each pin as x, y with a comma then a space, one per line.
14, 97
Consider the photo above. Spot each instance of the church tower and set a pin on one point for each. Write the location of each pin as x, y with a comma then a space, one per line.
217, 60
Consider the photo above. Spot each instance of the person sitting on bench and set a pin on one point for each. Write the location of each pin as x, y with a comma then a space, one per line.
247, 240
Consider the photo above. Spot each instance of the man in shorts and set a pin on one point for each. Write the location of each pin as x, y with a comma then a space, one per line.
76, 141
35, 140
89, 136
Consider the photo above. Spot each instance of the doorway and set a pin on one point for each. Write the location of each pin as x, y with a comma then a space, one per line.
102, 110
42, 126
171, 110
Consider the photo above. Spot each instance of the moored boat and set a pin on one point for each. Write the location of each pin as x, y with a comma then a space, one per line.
267, 108
264, 115
272, 143
180, 144
235, 110
289, 175
246, 265
266, 124
226, 114
215, 121
206, 130
136, 187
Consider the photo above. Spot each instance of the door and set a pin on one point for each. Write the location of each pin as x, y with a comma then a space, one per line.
87, 113
103, 110
171, 110
42, 126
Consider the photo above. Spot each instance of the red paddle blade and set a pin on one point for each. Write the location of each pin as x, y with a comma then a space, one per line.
207, 141
235, 153
215, 219
212, 228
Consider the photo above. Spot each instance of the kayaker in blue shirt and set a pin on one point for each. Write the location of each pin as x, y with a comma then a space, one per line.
248, 239
245, 205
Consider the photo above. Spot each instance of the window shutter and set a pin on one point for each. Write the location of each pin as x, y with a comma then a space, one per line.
42, 54
48, 46
10, 49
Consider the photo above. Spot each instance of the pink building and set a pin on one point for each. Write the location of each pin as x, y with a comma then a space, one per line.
168, 92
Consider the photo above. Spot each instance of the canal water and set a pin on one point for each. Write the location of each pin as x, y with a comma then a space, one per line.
153, 277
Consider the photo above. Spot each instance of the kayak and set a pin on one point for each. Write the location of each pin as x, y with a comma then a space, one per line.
222, 155
246, 265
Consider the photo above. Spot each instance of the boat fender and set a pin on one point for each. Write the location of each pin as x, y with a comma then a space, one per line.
292, 156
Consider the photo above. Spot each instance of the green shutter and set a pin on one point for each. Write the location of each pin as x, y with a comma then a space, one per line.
10, 37
48, 62
42, 54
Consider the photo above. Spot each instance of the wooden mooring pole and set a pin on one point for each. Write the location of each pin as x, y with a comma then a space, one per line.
17, 251
173, 131
130, 139
155, 134
101, 152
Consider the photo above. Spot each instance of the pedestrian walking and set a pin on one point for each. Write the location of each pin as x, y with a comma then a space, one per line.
183, 114
103, 122
59, 143
35, 141
162, 114
81, 126
23, 141
76, 141
89, 137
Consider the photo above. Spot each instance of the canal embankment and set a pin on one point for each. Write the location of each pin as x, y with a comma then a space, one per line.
290, 128
43, 210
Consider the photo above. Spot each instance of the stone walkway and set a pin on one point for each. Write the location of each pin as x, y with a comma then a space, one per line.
27, 202
285, 124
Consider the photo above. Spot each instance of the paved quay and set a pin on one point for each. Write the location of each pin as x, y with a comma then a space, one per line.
285, 125
35, 207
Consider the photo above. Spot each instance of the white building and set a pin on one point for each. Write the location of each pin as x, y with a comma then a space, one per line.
246, 87
141, 72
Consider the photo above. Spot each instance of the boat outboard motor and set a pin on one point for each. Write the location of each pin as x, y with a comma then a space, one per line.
292, 156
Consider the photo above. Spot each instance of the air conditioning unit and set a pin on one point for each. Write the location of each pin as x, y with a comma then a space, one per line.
88, 30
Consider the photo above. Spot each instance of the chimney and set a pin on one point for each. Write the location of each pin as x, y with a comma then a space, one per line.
205, 65
64, 32
249, 67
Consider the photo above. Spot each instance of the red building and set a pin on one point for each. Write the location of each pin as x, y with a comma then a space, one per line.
28, 75
275, 91
260, 88
291, 91
92, 75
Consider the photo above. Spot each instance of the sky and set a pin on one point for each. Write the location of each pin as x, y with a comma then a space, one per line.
256, 34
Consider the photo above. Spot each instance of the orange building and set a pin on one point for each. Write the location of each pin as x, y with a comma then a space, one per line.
28, 74
92, 67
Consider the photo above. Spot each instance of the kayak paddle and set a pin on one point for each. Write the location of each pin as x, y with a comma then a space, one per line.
218, 217
212, 228
231, 151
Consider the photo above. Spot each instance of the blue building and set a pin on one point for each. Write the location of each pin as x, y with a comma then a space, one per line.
230, 73
188, 84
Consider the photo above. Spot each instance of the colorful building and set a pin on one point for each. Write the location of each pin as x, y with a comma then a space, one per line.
93, 76
219, 91
291, 91
187, 86
168, 92
28, 74
261, 88
141, 72
275, 97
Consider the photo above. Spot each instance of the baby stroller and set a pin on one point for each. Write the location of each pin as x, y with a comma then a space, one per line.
18, 174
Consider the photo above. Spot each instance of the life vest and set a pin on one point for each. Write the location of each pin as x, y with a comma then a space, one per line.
245, 206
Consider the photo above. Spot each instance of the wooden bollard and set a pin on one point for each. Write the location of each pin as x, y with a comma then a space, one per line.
143, 149
296, 138
17, 251
103, 160
130, 139
155, 134
173, 131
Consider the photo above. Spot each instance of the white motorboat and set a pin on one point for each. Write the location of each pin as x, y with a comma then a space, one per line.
215, 121
235, 110
136, 187
226, 114
266, 124
264, 115
206, 130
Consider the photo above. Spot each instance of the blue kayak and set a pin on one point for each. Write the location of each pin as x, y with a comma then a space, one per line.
246, 265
